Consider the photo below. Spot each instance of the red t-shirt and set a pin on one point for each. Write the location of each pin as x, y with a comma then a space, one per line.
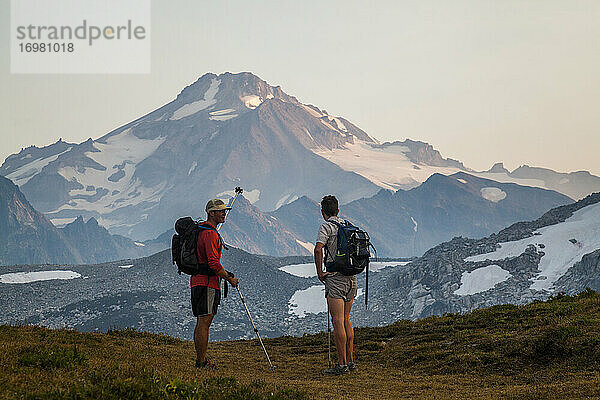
208, 251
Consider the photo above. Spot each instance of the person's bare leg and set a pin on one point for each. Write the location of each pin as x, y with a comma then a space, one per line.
349, 331
336, 309
201, 336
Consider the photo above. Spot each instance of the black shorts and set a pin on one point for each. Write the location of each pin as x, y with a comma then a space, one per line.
205, 300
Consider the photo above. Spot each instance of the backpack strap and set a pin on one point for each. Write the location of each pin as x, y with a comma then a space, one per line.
327, 267
226, 284
202, 227
210, 228
327, 249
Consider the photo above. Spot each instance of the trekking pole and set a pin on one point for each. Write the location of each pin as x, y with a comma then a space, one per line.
328, 337
272, 367
238, 191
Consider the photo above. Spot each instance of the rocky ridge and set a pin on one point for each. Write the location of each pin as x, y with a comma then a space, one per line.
429, 285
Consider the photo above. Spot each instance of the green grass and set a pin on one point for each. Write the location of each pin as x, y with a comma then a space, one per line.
563, 333
51, 357
145, 385
541, 350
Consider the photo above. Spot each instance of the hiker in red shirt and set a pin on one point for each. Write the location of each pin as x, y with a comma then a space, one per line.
206, 289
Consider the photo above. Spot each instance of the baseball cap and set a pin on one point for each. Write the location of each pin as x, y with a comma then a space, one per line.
216, 205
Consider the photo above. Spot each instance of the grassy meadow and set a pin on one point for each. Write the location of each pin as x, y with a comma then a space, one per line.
544, 350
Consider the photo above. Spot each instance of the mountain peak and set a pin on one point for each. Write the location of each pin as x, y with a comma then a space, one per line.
93, 222
303, 201
26, 236
421, 153
228, 90
498, 168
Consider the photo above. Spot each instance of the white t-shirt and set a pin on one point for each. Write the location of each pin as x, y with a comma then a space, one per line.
328, 236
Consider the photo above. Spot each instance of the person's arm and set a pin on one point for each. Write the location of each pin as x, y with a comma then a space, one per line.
225, 275
318, 253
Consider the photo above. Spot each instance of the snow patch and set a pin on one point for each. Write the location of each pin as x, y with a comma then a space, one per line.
327, 124
309, 270
481, 279
503, 177
493, 194
125, 150
387, 167
28, 277
23, 174
416, 225
338, 123
252, 196
196, 106
222, 112
222, 117
282, 201
192, 168
309, 135
379, 265
308, 246
312, 112
302, 270
251, 101
308, 301
560, 253
139, 244
287, 199
60, 222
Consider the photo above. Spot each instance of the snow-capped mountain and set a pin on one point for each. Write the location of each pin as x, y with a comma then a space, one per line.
220, 132
405, 165
559, 252
393, 166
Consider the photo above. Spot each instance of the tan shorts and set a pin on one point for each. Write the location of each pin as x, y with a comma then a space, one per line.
340, 286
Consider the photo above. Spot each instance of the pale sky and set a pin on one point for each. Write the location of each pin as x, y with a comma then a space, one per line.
482, 81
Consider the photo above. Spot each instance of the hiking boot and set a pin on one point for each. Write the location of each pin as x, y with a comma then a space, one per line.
206, 365
337, 369
351, 366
